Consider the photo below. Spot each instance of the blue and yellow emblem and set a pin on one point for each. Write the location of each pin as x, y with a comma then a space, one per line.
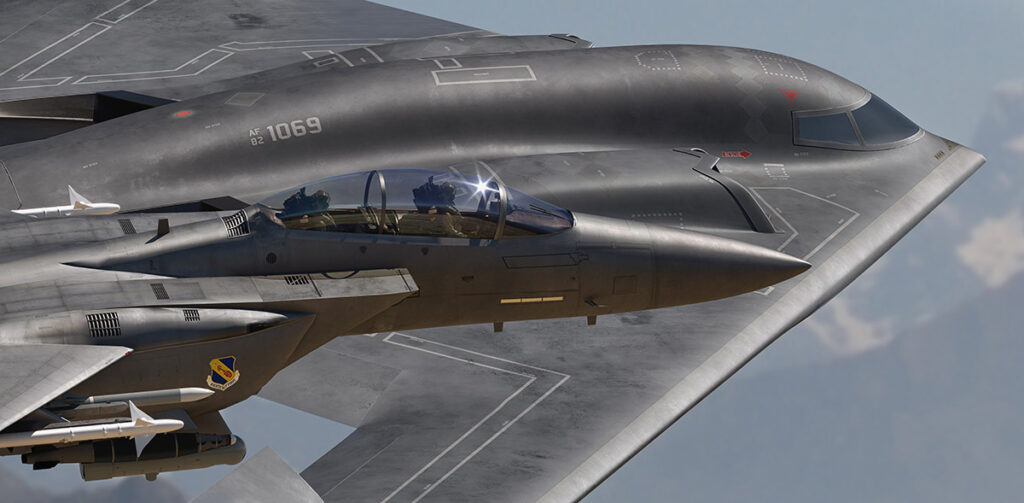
222, 373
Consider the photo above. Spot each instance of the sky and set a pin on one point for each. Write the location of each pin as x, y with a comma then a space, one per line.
869, 399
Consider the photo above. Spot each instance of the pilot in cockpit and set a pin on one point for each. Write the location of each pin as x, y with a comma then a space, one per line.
436, 209
312, 212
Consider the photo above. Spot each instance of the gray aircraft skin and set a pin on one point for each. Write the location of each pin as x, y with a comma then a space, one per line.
410, 186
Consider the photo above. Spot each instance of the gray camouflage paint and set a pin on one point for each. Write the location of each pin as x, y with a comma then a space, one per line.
636, 98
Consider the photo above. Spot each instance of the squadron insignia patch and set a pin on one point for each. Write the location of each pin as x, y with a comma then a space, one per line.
223, 373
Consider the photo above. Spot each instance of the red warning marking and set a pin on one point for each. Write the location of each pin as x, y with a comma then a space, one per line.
183, 113
791, 95
744, 154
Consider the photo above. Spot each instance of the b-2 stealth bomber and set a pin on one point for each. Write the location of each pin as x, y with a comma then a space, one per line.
402, 231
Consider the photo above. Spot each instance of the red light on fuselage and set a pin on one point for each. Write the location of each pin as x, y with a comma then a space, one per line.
182, 114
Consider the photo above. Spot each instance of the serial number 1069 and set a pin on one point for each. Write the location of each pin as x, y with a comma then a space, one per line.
285, 130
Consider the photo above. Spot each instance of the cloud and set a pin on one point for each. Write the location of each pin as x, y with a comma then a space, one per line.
846, 334
1016, 145
994, 251
17, 490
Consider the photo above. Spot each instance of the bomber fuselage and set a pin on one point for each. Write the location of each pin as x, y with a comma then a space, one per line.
425, 113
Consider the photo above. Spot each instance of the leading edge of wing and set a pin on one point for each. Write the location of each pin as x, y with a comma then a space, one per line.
33, 374
814, 289
86, 47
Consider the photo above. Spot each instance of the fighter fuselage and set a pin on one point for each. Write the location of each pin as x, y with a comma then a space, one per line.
598, 266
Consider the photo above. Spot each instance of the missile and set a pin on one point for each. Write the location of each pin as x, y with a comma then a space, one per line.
167, 452
79, 206
156, 397
100, 406
141, 426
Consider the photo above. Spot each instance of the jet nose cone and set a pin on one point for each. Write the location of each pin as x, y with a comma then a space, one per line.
769, 265
695, 267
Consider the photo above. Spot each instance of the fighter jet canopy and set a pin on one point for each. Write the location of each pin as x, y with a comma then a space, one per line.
415, 202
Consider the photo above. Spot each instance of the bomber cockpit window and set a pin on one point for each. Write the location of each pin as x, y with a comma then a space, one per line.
833, 128
415, 202
880, 123
872, 125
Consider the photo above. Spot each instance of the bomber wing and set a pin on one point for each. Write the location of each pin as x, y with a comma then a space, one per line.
547, 410
68, 64
79, 48
248, 483
73, 47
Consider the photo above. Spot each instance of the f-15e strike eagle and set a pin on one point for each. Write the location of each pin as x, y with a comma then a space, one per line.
508, 261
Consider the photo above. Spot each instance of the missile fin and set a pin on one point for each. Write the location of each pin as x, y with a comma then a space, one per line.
77, 200
140, 418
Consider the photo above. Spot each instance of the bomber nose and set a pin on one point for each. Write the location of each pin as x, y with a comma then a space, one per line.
696, 267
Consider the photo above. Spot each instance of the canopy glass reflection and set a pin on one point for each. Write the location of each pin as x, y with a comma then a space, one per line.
415, 202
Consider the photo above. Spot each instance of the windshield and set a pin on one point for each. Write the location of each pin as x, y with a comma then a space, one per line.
880, 123
415, 202
834, 128
528, 215
875, 124
437, 203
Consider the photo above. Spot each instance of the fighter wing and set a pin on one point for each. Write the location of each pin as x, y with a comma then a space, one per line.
33, 374
546, 410
379, 288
